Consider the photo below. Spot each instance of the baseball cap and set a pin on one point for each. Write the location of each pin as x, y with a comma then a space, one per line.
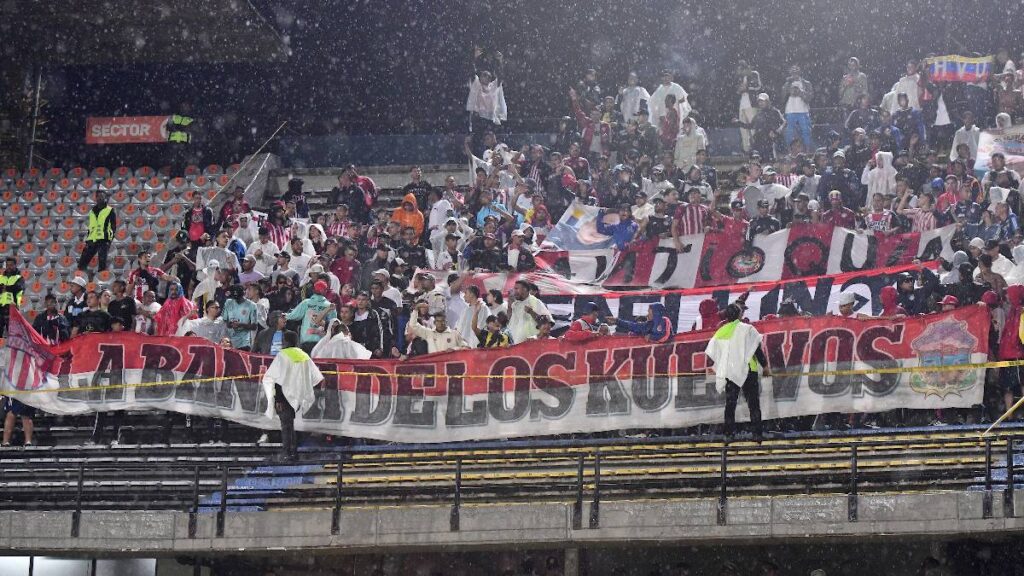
950, 300
315, 269
517, 233
769, 170
589, 307
320, 287
763, 96
763, 204
382, 272
284, 255
839, 154
78, 280
736, 204
846, 298
399, 262
835, 194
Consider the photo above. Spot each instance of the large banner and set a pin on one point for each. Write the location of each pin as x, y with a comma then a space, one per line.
1009, 141
724, 258
532, 389
955, 68
126, 129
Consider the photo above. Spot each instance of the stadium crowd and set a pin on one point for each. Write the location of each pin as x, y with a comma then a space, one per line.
345, 280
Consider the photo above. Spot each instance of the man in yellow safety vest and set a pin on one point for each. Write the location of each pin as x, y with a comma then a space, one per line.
11, 286
102, 223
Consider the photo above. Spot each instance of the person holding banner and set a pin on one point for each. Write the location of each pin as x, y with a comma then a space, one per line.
289, 381
738, 358
586, 327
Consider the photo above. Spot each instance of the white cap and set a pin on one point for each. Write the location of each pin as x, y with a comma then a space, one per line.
762, 96
818, 572
213, 264
382, 272
977, 243
79, 281
846, 298
315, 269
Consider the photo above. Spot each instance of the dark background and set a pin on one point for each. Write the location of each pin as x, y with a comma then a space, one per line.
401, 67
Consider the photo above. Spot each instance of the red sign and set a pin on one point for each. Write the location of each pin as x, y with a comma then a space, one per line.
126, 130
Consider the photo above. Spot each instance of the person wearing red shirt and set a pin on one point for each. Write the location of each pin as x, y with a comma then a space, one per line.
690, 218
347, 267
232, 208
837, 214
950, 196
585, 327
145, 277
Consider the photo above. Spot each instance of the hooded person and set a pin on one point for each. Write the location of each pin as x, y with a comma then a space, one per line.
881, 179
888, 296
289, 381
175, 309
710, 316
1016, 275
338, 344
248, 230
314, 312
657, 328
206, 290
953, 276
736, 352
409, 215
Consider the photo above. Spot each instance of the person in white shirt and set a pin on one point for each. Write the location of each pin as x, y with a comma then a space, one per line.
798, 108
474, 316
631, 96
967, 134
656, 104
441, 338
145, 311
440, 210
265, 251
247, 230
300, 260
523, 311
908, 85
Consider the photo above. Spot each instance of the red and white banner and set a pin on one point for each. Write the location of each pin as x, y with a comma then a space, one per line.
532, 389
126, 129
723, 258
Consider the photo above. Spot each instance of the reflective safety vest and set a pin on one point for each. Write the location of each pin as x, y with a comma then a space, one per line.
99, 226
8, 287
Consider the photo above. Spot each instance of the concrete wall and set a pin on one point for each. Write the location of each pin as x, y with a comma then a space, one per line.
524, 525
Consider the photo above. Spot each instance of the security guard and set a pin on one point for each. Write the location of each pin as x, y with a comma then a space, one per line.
11, 286
102, 223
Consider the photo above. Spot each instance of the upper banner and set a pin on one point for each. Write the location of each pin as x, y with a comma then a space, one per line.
953, 68
1009, 141
721, 258
126, 130
533, 389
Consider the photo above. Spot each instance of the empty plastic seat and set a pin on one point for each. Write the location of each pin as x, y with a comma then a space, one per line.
9, 195
39, 263
120, 196
67, 263
166, 197
77, 173
16, 235
159, 246
32, 174
153, 209
175, 210
211, 193
143, 196
138, 223
10, 175
108, 184
192, 171
121, 234
99, 173
132, 183
130, 210
82, 208
54, 174
177, 185
162, 223
54, 249
64, 184
35, 289
28, 250
15, 209
50, 276
105, 276
122, 173
52, 196
61, 209
213, 170
29, 196
202, 183
47, 223
147, 234
144, 173
21, 185
233, 169
154, 183
38, 209
187, 195
87, 185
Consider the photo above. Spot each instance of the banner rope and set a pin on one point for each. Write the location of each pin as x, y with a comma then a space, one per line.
820, 373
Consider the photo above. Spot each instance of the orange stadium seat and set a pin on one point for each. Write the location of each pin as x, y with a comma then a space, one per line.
52, 196
99, 173
55, 249
154, 183
192, 171
16, 234
144, 173
109, 184
68, 223
22, 185
54, 174
74, 195
201, 183
46, 223
223, 180
212, 193
23, 222
63, 185
29, 196
60, 209
43, 234
166, 197
121, 234
188, 194
119, 262
38, 209
132, 183
105, 276
82, 208
176, 209
3, 222
40, 262
67, 262
4, 246
147, 234
28, 250
122, 173
130, 209
133, 247
11, 174
153, 209
143, 196
15, 209
86, 184
177, 185
119, 197
77, 173
139, 222
32, 174
213, 170
8, 195
51, 276
159, 246
162, 223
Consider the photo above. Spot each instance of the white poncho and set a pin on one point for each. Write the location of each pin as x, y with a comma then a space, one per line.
731, 349
297, 375
339, 346
487, 101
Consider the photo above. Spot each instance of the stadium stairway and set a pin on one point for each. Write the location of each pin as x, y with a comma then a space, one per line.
243, 476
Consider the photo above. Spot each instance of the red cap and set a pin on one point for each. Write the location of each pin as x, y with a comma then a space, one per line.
990, 298
950, 300
321, 287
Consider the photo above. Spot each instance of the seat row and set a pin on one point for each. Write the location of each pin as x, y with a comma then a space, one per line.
47, 178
